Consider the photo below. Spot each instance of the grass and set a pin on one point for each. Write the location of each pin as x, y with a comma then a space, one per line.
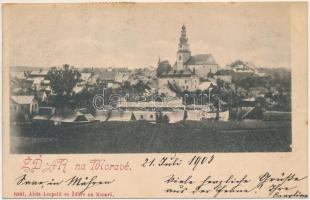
144, 137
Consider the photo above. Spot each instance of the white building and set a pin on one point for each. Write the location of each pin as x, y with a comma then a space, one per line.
177, 81
24, 104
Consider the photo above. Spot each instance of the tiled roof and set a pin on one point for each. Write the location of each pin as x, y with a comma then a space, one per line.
201, 59
39, 72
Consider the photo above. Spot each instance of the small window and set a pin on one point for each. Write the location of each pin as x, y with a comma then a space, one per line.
187, 87
141, 116
185, 81
180, 57
151, 116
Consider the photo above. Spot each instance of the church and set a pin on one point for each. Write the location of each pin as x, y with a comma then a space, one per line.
187, 70
200, 64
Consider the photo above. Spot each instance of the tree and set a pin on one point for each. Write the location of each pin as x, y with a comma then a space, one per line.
140, 87
237, 63
163, 66
63, 80
84, 99
210, 74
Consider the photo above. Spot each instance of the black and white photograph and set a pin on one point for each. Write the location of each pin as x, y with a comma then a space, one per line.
149, 78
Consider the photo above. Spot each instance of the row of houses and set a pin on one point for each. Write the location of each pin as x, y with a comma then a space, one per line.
30, 91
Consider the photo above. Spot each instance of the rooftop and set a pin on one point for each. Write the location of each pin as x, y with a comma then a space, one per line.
201, 59
39, 72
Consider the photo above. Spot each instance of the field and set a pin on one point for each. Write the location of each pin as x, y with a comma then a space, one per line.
144, 137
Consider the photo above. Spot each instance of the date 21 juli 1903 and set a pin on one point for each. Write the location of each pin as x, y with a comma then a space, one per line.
171, 161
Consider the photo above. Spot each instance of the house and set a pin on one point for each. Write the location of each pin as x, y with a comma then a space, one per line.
38, 73
45, 85
200, 64
144, 116
36, 82
175, 103
24, 104
177, 81
242, 71
243, 68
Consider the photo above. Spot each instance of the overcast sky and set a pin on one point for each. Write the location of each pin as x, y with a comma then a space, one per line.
103, 35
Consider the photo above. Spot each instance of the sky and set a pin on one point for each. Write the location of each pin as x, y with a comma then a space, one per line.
136, 35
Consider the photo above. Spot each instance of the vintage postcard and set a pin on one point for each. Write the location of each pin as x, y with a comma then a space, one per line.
155, 100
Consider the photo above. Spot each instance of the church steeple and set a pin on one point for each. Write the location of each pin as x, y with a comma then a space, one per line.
183, 53
183, 45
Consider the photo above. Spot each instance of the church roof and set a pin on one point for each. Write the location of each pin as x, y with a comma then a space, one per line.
201, 59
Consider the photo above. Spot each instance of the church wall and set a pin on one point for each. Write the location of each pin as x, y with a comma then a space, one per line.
203, 70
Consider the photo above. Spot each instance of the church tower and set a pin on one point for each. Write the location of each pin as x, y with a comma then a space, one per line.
183, 53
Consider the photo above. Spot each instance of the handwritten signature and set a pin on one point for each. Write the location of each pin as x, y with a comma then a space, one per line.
84, 182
